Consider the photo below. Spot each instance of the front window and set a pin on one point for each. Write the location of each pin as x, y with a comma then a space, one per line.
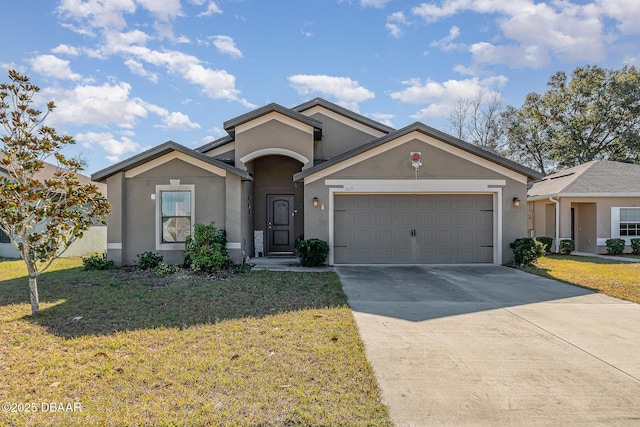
176, 216
629, 222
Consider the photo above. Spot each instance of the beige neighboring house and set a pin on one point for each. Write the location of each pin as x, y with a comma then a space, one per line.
94, 239
326, 172
589, 203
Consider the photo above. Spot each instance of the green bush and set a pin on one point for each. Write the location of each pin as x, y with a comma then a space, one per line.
97, 262
635, 246
547, 242
313, 252
164, 269
149, 260
567, 246
206, 249
615, 246
526, 251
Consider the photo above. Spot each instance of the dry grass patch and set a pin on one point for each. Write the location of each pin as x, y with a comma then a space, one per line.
259, 349
618, 279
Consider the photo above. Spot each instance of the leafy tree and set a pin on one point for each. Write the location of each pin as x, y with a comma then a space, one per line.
527, 135
41, 215
593, 115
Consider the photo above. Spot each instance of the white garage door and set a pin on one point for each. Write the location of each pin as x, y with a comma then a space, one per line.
413, 228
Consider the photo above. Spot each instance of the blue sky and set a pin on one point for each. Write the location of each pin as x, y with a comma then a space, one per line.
127, 75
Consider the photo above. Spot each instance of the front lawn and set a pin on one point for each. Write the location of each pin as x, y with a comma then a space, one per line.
128, 348
618, 279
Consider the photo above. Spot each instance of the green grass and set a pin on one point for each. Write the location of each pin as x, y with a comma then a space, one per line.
619, 279
255, 349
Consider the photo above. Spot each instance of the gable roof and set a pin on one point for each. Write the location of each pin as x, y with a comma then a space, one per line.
429, 131
344, 112
214, 144
594, 177
230, 125
160, 151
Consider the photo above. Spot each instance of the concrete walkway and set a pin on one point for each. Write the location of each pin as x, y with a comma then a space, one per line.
494, 346
283, 263
611, 257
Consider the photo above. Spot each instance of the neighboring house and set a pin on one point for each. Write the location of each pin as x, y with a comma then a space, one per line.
589, 204
322, 171
93, 240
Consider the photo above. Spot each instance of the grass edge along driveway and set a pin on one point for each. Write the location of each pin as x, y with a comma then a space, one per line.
618, 279
126, 347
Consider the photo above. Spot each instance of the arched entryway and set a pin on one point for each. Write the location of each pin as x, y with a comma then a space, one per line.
278, 206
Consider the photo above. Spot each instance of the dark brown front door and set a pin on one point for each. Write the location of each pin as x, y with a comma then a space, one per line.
280, 219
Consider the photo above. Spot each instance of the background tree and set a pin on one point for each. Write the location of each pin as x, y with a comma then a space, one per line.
42, 217
594, 115
477, 120
527, 135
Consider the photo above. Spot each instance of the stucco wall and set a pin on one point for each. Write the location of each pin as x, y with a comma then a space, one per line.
338, 137
140, 215
437, 164
270, 135
590, 222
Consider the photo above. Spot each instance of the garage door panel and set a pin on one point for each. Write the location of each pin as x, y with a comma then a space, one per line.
449, 228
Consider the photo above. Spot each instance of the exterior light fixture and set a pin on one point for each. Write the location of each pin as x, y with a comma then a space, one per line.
316, 202
516, 202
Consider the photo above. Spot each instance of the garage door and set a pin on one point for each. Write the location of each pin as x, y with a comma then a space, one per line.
413, 228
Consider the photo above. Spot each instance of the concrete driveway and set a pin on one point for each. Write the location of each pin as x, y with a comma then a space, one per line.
490, 345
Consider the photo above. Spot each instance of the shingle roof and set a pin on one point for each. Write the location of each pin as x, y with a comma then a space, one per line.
160, 151
231, 124
594, 177
344, 112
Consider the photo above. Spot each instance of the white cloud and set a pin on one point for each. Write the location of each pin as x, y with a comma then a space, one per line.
626, 12
441, 97
115, 148
96, 105
212, 8
164, 10
64, 49
179, 121
394, 24
534, 31
226, 45
97, 13
52, 66
137, 68
345, 91
447, 43
383, 118
379, 4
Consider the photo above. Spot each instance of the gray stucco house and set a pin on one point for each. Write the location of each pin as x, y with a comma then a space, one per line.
376, 194
589, 204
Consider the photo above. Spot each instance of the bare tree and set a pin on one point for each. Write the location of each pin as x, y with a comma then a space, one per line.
477, 120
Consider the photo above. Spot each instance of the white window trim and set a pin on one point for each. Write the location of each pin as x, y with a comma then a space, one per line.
175, 186
615, 224
443, 186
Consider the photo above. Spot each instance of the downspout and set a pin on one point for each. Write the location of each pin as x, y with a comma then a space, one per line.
557, 239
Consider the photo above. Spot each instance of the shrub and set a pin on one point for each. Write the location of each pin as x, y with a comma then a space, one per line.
313, 252
635, 246
97, 262
615, 246
547, 242
526, 251
164, 269
206, 249
149, 260
567, 246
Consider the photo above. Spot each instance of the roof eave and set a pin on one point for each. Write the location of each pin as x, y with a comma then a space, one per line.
160, 151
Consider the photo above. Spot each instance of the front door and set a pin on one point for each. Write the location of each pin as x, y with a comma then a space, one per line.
280, 220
